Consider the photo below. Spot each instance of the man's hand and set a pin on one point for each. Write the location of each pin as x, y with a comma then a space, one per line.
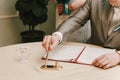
60, 8
106, 61
50, 41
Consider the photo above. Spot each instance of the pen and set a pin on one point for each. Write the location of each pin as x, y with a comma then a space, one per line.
117, 28
46, 60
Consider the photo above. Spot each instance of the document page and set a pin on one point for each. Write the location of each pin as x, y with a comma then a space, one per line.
65, 52
90, 54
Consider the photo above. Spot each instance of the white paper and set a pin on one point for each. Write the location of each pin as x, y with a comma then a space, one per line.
65, 52
69, 52
90, 54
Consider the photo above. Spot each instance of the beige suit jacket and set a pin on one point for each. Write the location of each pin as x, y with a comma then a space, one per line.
100, 13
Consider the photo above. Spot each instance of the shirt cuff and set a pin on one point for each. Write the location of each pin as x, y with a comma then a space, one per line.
60, 34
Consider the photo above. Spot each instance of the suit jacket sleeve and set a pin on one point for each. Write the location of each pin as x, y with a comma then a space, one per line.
77, 20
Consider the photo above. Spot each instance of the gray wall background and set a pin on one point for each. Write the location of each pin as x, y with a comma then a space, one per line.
11, 26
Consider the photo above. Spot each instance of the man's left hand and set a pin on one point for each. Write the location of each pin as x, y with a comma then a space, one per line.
106, 61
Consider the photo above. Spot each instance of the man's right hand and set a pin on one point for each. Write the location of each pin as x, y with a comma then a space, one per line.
50, 41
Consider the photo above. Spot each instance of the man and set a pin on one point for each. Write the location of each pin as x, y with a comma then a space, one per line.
105, 30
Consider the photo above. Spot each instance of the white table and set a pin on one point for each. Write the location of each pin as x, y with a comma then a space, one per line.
12, 69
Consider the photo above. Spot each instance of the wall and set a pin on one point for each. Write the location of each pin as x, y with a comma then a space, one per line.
11, 26
49, 26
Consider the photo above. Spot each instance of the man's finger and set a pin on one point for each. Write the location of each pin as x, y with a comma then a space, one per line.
48, 42
96, 61
107, 66
54, 42
103, 62
44, 41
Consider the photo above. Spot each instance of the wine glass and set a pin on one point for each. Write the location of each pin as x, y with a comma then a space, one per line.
23, 54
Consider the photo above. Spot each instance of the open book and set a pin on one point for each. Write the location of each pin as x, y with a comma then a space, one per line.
77, 54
